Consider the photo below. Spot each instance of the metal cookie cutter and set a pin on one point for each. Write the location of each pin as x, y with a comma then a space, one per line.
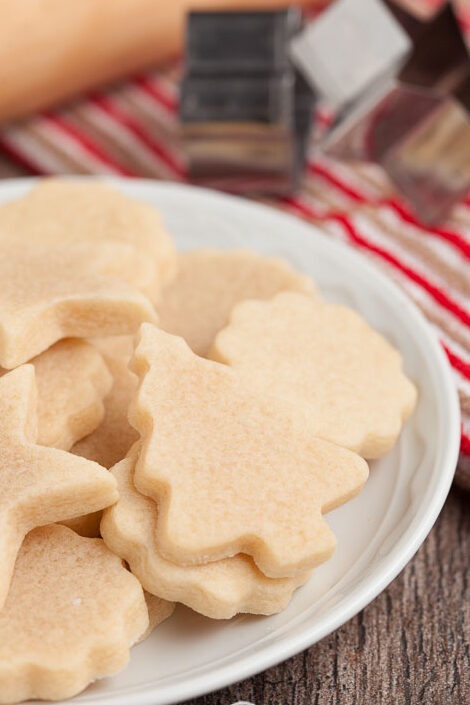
245, 110
401, 88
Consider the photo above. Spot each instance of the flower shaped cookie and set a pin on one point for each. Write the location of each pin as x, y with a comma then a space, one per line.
208, 284
71, 615
327, 363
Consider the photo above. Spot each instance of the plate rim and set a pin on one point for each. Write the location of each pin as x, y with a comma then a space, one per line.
410, 540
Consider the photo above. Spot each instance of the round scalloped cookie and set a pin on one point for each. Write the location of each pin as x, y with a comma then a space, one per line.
72, 613
325, 361
109, 443
72, 210
72, 380
112, 439
208, 284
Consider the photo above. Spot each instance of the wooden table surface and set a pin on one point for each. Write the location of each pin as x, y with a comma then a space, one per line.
410, 646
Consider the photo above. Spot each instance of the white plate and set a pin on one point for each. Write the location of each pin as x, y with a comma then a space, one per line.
377, 533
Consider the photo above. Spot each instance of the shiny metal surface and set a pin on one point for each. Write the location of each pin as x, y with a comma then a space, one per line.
417, 124
246, 113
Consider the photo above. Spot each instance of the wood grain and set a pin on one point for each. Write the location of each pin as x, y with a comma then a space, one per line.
410, 646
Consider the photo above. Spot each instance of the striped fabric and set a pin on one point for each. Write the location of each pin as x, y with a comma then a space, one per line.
132, 130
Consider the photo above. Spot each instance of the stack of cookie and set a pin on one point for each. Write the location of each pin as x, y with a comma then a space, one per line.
211, 403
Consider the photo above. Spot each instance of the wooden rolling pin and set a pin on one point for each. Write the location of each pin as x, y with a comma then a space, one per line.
51, 50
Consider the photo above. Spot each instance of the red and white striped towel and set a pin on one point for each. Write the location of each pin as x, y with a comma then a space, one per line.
133, 130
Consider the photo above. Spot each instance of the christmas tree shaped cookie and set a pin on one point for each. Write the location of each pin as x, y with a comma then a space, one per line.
232, 471
219, 590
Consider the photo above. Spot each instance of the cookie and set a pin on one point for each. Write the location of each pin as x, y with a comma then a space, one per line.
71, 615
120, 347
219, 590
325, 361
109, 443
66, 291
38, 485
72, 379
112, 439
232, 472
208, 284
58, 211
158, 611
